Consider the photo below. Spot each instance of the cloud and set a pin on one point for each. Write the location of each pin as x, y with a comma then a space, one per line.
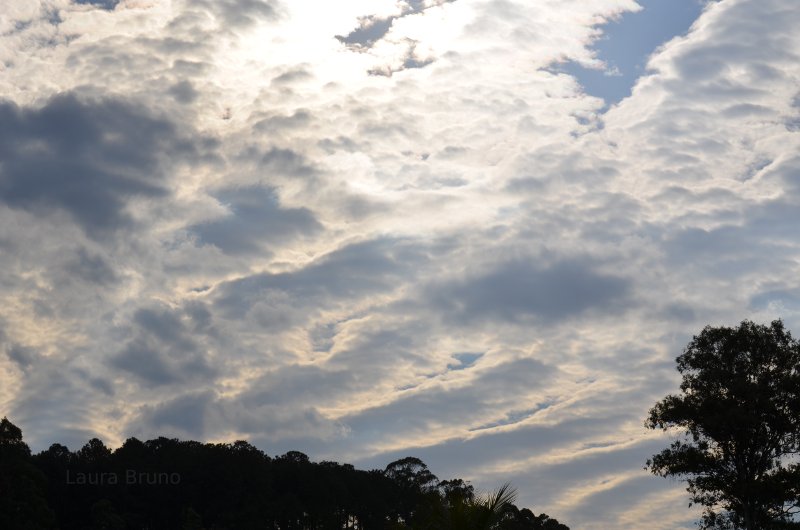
24, 357
410, 59
90, 268
163, 350
422, 410
277, 161
56, 398
346, 274
184, 415
372, 28
255, 220
197, 415
102, 4
183, 92
374, 35
518, 289
240, 13
86, 158
214, 223
295, 385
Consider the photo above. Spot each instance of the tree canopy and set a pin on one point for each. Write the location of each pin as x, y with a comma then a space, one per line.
738, 413
168, 484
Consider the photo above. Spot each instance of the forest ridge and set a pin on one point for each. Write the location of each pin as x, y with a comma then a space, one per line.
172, 484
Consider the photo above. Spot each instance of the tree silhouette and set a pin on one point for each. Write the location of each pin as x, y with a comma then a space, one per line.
415, 490
739, 414
481, 512
22, 486
231, 486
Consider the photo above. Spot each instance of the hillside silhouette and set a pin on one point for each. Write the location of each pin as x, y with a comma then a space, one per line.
169, 484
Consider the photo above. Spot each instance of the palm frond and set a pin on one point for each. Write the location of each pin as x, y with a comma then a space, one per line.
497, 501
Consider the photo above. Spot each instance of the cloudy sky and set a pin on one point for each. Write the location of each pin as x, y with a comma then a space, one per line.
474, 231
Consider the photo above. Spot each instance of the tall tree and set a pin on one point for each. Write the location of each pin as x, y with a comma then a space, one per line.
22, 485
416, 492
738, 412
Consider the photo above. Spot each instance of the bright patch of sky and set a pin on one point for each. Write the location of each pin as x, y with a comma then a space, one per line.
628, 42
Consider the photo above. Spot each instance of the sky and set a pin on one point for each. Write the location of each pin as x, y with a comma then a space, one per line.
371, 229
627, 41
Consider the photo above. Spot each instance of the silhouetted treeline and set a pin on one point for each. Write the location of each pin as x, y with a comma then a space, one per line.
171, 484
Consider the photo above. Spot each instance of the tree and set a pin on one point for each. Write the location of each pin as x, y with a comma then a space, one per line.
416, 492
739, 414
227, 486
22, 485
487, 511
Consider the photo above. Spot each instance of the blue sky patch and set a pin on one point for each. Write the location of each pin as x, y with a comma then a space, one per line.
629, 41
465, 360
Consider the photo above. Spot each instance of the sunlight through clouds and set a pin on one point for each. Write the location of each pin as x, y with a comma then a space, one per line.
372, 229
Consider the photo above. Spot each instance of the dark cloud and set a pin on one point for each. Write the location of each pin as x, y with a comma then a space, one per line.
342, 143
92, 268
758, 242
21, 355
183, 92
789, 173
679, 195
186, 414
164, 324
522, 288
287, 162
773, 224
744, 110
102, 4
417, 411
116, 54
164, 350
300, 118
200, 414
279, 162
87, 158
256, 218
292, 76
691, 244
200, 317
298, 385
147, 363
498, 445
184, 68
52, 398
527, 185
240, 13
351, 272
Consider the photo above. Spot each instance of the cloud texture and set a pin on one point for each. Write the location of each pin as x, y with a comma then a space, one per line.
217, 221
